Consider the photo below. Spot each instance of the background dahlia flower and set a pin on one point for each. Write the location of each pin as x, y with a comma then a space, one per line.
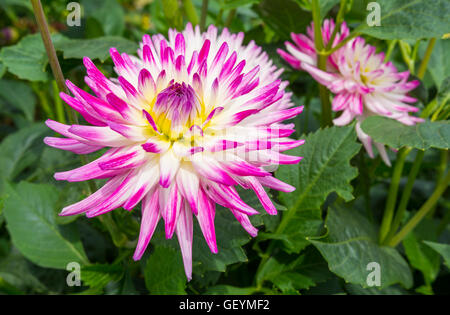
303, 49
364, 85
183, 124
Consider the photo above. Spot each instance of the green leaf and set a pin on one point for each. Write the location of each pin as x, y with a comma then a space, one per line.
2, 69
96, 48
358, 290
230, 238
21, 3
283, 16
325, 168
98, 276
443, 249
14, 270
326, 5
420, 136
164, 273
420, 256
18, 95
235, 4
312, 265
351, 245
229, 290
410, 19
290, 282
30, 216
283, 274
7, 288
20, 150
109, 13
28, 58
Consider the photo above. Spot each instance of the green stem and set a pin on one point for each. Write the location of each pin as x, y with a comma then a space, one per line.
58, 104
406, 195
426, 207
415, 50
429, 109
405, 49
392, 194
441, 113
318, 40
390, 49
191, 13
386, 229
441, 171
203, 15
426, 59
230, 18
322, 64
219, 17
326, 105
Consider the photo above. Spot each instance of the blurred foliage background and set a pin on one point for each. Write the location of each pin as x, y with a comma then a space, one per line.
36, 244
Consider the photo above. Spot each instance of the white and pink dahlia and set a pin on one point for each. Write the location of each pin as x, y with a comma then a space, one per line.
183, 124
364, 85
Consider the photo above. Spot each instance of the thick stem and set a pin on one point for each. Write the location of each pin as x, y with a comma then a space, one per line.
325, 101
318, 40
50, 49
392, 194
204, 14
427, 206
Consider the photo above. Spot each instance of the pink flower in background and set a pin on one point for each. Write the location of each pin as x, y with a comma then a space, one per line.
183, 124
364, 85
303, 50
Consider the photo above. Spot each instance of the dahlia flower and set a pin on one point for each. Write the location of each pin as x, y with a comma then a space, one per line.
184, 123
364, 85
